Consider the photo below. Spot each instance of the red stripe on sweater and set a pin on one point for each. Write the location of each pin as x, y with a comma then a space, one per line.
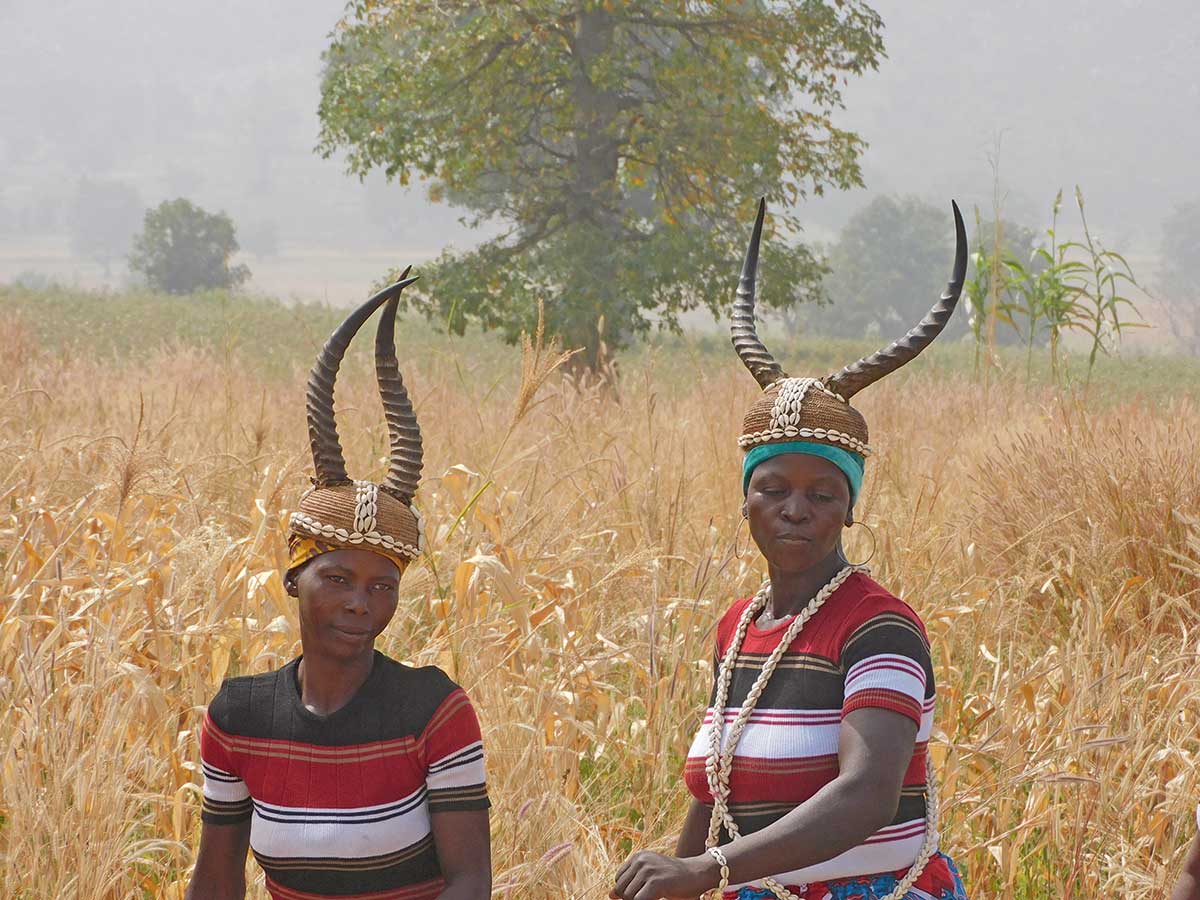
882, 698
294, 774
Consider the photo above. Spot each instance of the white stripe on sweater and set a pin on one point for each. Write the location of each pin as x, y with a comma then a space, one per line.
281, 831
776, 733
888, 850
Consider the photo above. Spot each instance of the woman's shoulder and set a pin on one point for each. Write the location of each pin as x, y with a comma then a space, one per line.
870, 606
398, 675
421, 689
729, 621
244, 700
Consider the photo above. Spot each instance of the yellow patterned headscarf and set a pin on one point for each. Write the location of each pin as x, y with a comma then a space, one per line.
302, 549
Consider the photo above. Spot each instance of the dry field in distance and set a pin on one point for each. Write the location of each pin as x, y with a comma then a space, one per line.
579, 558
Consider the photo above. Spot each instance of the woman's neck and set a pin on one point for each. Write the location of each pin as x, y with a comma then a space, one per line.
327, 684
791, 591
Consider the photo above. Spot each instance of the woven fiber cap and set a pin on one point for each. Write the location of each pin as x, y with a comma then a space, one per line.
359, 516
802, 409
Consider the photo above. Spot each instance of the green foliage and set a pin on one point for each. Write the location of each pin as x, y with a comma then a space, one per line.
267, 337
1003, 289
261, 333
183, 249
1066, 286
622, 143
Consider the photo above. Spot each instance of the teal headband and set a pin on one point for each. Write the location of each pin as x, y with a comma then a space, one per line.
852, 464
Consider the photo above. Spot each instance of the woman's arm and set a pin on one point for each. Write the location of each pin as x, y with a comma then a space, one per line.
1188, 887
874, 750
220, 872
463, 843
695, 830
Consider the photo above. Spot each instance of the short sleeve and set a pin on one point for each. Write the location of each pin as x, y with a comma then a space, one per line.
455, 778
226, 798
886, 665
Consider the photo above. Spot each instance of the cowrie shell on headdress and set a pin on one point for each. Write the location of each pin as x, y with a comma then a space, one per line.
366, 506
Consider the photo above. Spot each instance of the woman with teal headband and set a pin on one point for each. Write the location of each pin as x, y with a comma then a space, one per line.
810, 774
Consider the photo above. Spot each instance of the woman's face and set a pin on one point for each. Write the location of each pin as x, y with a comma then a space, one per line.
347, 597
796, 505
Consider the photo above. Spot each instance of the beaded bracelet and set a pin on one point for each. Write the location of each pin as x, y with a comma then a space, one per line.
715, 853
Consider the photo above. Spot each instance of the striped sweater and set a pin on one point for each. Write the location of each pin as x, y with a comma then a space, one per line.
340, 805
863, 648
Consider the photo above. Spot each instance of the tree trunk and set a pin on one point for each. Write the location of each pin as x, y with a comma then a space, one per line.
594, 207
595, 198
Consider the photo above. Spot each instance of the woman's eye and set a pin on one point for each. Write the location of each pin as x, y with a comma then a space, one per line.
823, 498
336, 579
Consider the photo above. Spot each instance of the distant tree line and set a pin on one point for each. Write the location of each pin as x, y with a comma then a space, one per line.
1179, 281
889, 264
1023, 286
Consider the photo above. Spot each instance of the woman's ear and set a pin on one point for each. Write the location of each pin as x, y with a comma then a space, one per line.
745, 511
849, 516
289, 585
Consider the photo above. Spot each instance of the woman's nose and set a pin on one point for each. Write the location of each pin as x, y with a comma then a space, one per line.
795, 509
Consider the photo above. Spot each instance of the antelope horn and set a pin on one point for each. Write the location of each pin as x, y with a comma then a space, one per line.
870, 369
756, 357
404, 465
328, 461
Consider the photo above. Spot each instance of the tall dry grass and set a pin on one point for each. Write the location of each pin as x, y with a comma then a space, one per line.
579, 560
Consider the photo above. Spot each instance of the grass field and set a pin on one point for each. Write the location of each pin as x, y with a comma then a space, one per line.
150, 449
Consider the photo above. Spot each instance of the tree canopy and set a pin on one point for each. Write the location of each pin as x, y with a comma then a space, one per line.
183, 249
622, 144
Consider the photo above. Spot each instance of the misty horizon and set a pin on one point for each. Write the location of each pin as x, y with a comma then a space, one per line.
218, 104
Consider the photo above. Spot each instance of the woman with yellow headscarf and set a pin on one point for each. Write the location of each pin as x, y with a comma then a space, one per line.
345, 772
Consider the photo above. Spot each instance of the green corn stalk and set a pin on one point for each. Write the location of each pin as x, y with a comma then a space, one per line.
1097, 283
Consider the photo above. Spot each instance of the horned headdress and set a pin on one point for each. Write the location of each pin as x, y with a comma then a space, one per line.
340, 512
817, 410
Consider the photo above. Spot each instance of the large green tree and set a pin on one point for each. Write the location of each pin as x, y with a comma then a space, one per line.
183, 248
621, 144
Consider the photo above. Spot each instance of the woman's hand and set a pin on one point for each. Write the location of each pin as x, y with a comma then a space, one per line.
652, 876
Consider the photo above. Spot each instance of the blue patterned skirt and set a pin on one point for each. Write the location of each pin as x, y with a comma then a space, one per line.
939, 880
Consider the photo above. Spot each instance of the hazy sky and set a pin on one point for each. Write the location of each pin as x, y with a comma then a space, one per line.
217, 101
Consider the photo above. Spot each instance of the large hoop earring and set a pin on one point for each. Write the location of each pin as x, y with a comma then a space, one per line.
874, 544
738, 554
